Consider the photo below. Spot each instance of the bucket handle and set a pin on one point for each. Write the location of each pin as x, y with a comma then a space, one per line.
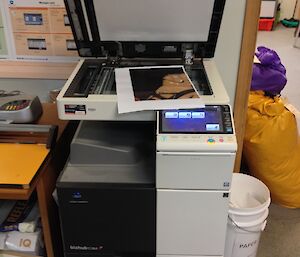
262, 229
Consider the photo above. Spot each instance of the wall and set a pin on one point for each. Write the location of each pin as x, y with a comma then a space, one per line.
227, 54
287, 8
39, 87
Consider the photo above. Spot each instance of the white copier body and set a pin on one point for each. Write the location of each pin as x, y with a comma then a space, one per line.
194, 163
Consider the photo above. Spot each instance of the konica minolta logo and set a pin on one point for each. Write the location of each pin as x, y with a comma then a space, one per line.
85, 248
47, 2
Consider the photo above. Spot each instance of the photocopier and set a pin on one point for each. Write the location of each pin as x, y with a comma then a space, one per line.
147, 183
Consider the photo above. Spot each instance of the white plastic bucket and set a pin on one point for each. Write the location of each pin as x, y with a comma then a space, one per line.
247, 215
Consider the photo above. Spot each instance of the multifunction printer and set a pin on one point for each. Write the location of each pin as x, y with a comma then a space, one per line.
147, 183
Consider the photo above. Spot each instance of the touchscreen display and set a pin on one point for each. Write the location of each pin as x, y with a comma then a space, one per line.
203, 120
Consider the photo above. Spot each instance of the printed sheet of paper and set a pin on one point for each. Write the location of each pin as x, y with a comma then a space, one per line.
155, 88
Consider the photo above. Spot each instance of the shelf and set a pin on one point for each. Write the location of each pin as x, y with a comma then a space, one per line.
35, 70
45, 180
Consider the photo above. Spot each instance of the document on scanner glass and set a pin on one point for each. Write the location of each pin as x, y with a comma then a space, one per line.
155, 88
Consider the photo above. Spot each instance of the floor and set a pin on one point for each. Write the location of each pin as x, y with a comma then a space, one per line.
282, 233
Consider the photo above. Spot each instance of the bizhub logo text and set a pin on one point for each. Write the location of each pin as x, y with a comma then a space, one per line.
85, 248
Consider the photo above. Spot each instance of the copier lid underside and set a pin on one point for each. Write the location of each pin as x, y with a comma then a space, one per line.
146, 29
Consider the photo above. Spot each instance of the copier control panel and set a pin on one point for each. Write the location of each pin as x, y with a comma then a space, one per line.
208, 128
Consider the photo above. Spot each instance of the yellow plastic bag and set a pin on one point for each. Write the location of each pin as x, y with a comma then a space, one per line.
272, 148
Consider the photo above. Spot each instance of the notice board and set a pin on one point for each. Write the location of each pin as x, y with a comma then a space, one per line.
36, 30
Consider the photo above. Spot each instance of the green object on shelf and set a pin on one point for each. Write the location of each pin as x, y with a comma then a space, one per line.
290, 23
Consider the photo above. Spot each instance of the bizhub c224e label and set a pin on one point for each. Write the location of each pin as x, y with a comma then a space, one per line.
75, 109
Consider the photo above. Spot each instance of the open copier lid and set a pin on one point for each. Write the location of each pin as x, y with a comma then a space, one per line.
130, 33
144, 28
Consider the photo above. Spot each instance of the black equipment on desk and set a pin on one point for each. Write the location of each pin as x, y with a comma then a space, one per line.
19, 108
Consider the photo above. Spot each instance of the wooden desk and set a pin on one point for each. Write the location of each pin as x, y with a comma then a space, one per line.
45, 180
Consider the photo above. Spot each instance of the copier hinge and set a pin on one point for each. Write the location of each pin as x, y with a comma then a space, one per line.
113, 60
188, 57
113, 54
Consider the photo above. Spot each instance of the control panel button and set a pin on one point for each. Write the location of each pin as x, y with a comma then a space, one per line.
163, 138
211, 141
15, 105
230, 139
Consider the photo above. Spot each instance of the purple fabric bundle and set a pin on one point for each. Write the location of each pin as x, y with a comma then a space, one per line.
269, 75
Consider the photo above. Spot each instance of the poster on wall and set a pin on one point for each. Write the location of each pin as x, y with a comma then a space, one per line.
4, 52
40, 30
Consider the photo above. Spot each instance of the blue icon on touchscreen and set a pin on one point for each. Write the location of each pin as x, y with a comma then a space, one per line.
185, 115
198, 115
171, 115
212, 127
